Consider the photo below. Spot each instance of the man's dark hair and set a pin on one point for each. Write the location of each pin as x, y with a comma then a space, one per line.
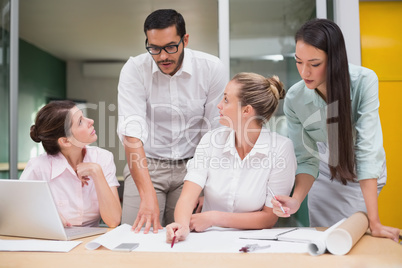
164, 18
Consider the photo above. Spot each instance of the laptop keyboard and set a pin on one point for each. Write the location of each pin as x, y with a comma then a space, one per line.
74, 231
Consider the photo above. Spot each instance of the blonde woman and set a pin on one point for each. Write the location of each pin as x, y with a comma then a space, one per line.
236, 163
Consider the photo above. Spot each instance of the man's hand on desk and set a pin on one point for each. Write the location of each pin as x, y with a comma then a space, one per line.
148, 214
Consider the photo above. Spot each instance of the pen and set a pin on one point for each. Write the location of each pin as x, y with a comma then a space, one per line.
174, 238
252, 247
273, 195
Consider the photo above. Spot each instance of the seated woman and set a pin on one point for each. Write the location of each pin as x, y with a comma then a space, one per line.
236, 164
82, 178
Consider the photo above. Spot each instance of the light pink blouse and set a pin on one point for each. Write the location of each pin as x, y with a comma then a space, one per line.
76, 203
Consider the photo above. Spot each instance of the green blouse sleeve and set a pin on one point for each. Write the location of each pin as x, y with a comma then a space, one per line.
369, 149
305, 146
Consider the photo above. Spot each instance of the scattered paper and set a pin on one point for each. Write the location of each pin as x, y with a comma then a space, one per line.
295, 234
213, 240
37, 245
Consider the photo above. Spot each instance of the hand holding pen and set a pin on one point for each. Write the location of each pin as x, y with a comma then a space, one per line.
279, 204
176, 232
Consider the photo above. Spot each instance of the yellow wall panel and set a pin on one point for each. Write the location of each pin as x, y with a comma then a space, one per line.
390, 199
381, 35
381, 38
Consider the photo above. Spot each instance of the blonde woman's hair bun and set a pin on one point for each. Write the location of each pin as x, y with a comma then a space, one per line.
276, 86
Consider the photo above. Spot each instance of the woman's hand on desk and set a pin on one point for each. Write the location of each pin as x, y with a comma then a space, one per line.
176, 230
289, 204
379, 230
199, 222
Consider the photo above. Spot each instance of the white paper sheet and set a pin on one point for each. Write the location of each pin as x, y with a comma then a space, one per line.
294, 234
302, 235
37, 245
214, 240
338, 239
265, 234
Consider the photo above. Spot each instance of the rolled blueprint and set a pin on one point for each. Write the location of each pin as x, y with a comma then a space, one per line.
340, 237
341, 240
318, 247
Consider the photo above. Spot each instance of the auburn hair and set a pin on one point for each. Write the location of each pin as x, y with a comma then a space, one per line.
50, 125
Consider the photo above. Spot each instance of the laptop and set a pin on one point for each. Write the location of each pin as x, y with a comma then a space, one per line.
27, 209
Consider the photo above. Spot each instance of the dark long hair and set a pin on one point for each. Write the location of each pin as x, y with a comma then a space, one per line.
164, 18
50, 125
327, 36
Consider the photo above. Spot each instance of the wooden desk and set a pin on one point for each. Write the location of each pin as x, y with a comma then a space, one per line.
368, 252
6, 167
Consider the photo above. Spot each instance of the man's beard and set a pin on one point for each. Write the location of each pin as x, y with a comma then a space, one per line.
179, 63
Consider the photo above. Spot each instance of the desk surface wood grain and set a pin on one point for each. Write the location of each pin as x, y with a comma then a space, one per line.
368, 252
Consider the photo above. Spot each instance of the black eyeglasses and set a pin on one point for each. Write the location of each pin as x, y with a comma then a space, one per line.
171, 49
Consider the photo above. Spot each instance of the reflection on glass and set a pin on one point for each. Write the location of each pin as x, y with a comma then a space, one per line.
262, 36
262, 41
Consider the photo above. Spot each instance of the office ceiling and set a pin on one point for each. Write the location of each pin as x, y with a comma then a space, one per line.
109, 30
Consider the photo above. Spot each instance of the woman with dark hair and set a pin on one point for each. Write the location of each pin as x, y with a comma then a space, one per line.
333, 121
82, 178
236, 164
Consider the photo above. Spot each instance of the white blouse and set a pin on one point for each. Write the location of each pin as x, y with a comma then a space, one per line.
234, 185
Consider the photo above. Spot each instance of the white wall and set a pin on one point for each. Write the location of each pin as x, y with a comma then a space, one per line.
101, 96
346, 15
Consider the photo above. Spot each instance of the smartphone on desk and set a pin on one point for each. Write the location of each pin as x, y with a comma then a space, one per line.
126, 247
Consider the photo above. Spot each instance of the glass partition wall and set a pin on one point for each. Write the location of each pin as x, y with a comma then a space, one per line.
261, 40
8, 88
262, 36
4, 87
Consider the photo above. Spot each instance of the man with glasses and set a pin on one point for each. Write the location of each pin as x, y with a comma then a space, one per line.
167, 100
